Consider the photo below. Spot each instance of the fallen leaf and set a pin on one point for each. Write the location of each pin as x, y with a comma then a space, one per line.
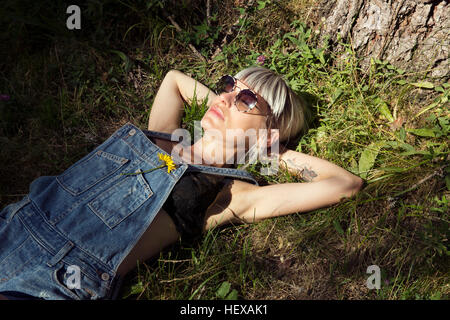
397, 123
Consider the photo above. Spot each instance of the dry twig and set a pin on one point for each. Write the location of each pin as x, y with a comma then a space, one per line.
438, 172
172, 21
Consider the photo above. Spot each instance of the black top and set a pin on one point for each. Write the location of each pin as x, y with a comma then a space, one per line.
189, 200
194, 193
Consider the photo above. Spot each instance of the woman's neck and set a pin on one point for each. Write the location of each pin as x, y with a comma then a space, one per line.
208, 152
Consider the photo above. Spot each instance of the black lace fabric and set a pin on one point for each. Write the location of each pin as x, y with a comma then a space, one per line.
189, 200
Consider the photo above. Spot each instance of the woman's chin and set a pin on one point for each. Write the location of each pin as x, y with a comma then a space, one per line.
208, 123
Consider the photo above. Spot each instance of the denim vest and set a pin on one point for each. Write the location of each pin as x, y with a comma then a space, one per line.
90, 217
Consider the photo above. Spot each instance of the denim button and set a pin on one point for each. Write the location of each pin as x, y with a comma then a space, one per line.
132, 132
105, 276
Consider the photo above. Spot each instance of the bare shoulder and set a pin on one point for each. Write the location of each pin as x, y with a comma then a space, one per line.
229, 203
236, 188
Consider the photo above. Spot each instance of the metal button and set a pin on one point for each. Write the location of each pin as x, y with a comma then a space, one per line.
105, 276
132, 132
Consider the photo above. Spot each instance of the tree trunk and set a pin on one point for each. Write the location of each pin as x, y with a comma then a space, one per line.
413, 35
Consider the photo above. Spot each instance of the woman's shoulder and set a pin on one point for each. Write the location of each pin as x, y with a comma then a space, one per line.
229, 202
234, 186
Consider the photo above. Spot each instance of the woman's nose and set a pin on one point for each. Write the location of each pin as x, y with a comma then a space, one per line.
227, 98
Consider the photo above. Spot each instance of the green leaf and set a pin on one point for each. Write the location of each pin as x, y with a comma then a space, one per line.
402, 134
423, 132
336, 94
423, 84
321, 57
233, 295
444, 123
219, 57
294, 84
384, 110
223, 290
393, 169
367, 159
378, 61
135, 289
407, 147
409, 150
261, 5
313, 145
431, 106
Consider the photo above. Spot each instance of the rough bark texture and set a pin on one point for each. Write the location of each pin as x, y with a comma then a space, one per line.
411, 34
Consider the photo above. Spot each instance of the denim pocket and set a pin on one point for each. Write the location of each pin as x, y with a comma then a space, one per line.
72, 281
86, 173
19, 254
118, 202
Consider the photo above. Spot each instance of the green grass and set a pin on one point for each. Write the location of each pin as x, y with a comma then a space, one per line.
70, 90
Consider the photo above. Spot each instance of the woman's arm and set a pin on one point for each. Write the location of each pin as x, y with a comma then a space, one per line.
167, 108
313, 169
326, 185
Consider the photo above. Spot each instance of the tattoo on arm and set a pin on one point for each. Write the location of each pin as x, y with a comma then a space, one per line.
308, 175
305, 173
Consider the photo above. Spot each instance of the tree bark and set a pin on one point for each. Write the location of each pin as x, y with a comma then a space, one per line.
413, 35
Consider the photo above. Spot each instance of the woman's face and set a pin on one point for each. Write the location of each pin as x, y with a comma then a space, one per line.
224, 116
230, 131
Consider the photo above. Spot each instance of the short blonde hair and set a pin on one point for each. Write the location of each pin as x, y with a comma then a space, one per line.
289, 112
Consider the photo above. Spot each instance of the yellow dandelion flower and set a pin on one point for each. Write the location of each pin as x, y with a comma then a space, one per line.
167, 161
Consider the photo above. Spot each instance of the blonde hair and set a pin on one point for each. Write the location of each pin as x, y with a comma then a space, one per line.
289, 112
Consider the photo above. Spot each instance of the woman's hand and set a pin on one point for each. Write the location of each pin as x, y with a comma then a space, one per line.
168, 106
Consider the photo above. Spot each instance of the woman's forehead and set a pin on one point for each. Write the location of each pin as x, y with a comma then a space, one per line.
242, 84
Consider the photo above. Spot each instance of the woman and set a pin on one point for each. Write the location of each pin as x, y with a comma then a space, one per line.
75, 236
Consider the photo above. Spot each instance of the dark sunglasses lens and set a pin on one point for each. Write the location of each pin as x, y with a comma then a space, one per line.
246, 100
225, 84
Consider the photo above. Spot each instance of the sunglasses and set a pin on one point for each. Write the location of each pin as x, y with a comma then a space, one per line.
245, 101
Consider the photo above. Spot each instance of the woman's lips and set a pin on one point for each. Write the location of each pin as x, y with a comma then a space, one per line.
217, 112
